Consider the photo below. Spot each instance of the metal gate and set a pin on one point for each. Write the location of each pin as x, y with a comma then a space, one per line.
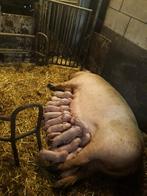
67, 27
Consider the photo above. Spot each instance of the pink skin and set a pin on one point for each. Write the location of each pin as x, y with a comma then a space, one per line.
67, 136
60, 132
58, 120
65, 94
54, 98
52, 156
79, 149
73, 154
85, 139
64, 108
50, 115
52, 135
60, 102
70, 147
53, 108
59, 127
116, 144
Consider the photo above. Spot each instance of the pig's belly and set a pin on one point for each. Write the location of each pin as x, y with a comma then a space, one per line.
95, 113
104, 115
82, 113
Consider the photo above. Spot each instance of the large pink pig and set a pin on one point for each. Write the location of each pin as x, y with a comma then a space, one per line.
116, 144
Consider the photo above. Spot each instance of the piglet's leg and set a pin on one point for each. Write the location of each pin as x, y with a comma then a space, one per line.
51, 156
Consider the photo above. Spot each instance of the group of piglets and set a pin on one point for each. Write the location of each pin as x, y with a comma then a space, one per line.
65, 135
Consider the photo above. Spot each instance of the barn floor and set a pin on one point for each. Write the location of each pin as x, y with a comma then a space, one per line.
26, 83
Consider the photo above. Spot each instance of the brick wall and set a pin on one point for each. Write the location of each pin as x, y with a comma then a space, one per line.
128, 18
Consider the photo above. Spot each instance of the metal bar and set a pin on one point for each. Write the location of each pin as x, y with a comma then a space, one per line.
15, 152
65, 34
39, 53
76, 2
87, 40
67, 31
99, 4
68, 36
14, 138
59, 16
25, 134
62, 31
18, 136
71, 37
50, 5
5, 139
41, 15
17, 35
5, 118
78, 20
54, 30
45, 16
37, 130
45, 55
13, 50
74, 6
81, 38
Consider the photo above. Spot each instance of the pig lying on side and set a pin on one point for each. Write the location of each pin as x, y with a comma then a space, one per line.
116, 144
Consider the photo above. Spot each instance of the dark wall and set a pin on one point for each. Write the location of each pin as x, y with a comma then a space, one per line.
126, 69
24, 7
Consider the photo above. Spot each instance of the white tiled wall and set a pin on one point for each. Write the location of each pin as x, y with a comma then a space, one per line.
129, 19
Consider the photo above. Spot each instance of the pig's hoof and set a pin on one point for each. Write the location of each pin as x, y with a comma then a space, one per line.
65, 182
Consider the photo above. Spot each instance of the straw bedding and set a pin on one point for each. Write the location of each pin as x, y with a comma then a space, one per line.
26, 83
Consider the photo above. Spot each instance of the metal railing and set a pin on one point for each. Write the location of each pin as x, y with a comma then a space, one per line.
67, 28
13, 137
40, 53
